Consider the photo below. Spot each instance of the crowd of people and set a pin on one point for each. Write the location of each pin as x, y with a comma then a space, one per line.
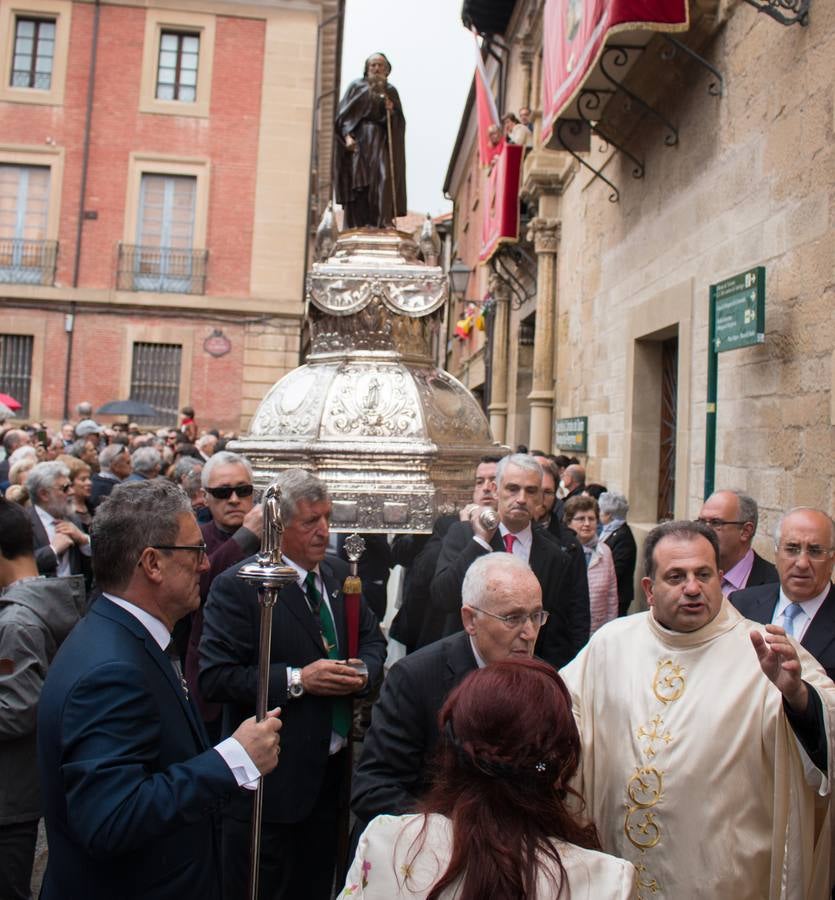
533, 739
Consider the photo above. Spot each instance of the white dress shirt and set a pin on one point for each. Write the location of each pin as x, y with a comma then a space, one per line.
808, 611
521, 546
49, 522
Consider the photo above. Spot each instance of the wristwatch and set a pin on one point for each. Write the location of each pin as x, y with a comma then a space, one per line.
295, 688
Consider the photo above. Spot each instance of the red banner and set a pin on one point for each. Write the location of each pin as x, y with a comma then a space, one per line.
500, 196
575, 32
485, 110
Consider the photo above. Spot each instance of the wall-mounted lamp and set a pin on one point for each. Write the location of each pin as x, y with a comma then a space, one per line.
459, 276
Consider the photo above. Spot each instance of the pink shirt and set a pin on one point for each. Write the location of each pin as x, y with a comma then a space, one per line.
737, 576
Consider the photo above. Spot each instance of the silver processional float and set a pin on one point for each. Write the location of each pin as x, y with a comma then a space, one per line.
395, 438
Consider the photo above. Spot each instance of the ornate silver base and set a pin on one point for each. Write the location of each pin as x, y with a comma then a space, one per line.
395, 438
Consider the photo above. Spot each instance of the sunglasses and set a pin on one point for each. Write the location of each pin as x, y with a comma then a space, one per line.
225, 491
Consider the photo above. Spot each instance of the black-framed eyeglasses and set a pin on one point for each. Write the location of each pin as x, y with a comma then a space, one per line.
517, 620
199, 549
64, 488
718, 523
225, 491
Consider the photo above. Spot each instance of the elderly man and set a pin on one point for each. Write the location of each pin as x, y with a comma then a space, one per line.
206, 446
416, 624
233, 534
803, 602
131, 787
519, 485
147, 464
61, 547
733, 516
36, 615
12, 439
321, 657
114, 467
502, 614
692, 725
572, 484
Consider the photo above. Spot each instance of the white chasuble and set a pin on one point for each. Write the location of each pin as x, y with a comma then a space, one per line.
690, 768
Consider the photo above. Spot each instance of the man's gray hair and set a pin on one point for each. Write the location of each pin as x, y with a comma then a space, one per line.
778, 528
109, 453
577, 474
481, 576
299, 484
77, 447
223, 458
27, 451
43, 476
748, 510
204, 441
136, 515
613, 504
146, 461
522, 461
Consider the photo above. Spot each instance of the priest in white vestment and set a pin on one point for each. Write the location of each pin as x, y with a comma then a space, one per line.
707, 758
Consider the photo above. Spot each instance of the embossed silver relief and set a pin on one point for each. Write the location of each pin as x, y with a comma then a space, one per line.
293, 405
375, 402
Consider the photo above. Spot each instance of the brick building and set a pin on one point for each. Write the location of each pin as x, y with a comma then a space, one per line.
725, 162
157, 188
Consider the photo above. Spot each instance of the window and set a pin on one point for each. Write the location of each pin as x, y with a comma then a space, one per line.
155, 377
16, 368
26, 257
34, 53
34, 45
177, 70
177, 62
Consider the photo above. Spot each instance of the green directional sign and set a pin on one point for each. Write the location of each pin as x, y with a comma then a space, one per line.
738, 310
572, 434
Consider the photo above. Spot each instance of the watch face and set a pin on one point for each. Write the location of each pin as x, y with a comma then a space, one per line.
296, 690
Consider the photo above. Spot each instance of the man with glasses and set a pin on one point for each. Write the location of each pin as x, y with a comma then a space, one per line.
733, 516
233, 534
803, 603
131, 787
502, 614
61, 547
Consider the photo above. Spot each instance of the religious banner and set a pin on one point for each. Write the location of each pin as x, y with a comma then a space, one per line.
575, 32
485, 110
500, 195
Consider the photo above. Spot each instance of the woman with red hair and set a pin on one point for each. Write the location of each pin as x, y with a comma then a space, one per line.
498, 820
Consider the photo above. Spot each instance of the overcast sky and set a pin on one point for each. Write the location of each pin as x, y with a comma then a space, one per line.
432, 59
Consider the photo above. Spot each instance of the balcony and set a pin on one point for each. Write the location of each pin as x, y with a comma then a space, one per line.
161, 269
27, 262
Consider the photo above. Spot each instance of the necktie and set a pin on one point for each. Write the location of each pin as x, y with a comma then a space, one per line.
341, 721
509, 541
174, 659
790, 613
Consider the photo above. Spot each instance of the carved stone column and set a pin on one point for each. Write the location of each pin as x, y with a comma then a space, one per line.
497, 409
545, 235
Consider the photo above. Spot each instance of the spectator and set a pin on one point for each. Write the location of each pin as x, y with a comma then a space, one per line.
84, 410
87, 428
17, 493
86, 450
501, 819
582, 516
82, 490
147, 464
61, 547
36, 614
12, 439
206, 445
617, 535
114, 467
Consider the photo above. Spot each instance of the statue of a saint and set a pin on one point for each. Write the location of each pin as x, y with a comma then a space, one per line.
369, 152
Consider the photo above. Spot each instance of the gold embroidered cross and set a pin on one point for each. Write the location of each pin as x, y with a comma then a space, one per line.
653, 735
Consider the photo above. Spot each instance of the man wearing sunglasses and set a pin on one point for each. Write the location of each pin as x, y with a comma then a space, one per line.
233, 534
803, 603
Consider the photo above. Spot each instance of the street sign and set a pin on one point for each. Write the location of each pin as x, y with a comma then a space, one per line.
739, 310
572, 434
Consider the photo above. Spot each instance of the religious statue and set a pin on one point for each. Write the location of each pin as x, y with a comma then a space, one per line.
273, 527
370, 157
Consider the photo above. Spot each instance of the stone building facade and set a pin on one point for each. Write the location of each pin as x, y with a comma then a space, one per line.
620, 308
155, 186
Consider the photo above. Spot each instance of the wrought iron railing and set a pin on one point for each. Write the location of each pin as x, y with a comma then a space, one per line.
27, 262
144, 268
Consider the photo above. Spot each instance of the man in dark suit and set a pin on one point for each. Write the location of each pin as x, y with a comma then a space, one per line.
317, 645
573, 482
114, 467
61, 547
416, 623
803, 602
130, 786
392, 773
733, 516
519, 485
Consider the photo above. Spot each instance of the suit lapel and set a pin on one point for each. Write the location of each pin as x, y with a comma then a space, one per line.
295, 603
820, 631
460, 660
497, 542
766, 605
538, 560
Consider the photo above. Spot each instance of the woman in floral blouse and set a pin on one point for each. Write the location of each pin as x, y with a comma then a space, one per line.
496, 822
